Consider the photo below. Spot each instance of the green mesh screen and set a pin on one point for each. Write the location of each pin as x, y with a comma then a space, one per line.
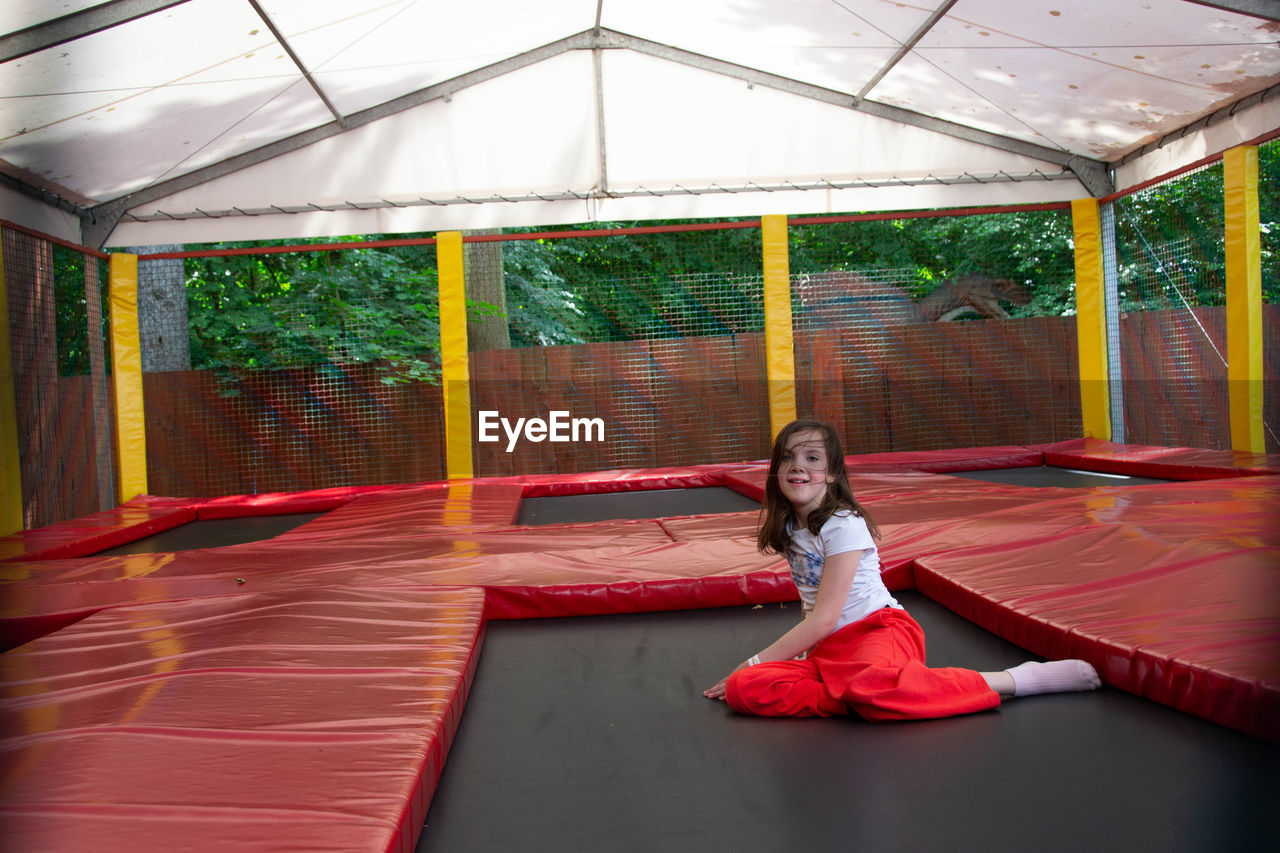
1269, 223
657, 337
307, 370
1170, 255
927, 333
57, 325
280, 369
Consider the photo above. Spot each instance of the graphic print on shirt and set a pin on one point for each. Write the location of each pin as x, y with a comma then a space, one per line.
806, 568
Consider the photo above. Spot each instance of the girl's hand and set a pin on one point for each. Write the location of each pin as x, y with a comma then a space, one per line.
717, 692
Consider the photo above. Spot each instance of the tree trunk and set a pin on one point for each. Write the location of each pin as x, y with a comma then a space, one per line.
165, 336
486, 290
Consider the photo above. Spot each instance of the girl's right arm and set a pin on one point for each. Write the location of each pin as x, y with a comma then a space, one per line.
833, 590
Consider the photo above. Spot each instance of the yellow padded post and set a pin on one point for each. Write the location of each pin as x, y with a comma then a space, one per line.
126, 378
780, 370
1244, 298
454, 378
1091, 324
11, 519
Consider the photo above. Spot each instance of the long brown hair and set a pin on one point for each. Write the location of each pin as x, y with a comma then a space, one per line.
776, 511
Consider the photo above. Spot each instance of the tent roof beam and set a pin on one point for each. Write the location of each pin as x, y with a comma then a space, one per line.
77, 25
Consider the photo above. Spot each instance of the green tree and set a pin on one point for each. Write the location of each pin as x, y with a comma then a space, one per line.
289, 309
379, 305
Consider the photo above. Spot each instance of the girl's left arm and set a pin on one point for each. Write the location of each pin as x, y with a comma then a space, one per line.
837, 578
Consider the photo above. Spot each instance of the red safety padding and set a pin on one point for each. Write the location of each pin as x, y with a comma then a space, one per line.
317, 720
639, 571
444, 508
748, 481
1172, 463
622, 480
462, 533
768, 586
31, 610
98, 532
1181, 611
285, 503
877, 482
878, 479
719, 526
41, 619
282, 669
958, 459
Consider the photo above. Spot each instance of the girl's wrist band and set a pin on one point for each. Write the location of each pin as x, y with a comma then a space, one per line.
753, 660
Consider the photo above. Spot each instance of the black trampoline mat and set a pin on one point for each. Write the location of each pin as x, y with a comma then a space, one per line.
651, 503
1048, 475
591, 734
214, 533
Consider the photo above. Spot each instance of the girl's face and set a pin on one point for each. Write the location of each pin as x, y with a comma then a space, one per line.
803, 473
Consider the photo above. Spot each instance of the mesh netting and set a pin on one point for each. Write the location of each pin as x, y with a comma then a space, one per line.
1170, 254
917, 334
57, 325
1269, 222
659, 336
276, 370
308, 370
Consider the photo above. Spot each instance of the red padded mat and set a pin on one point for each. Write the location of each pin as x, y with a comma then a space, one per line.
1174, 463
1187, 614
230, 658
316, 720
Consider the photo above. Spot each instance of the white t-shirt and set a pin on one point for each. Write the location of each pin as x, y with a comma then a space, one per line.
807, 553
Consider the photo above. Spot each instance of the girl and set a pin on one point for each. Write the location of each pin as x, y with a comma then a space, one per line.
856, 648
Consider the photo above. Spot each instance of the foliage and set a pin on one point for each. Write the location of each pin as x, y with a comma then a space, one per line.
1169, 238
1033, 249
576, 289
1269, 219
1169, 245
71, 314
284, 310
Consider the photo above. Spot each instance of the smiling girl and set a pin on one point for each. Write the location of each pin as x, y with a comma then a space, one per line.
856, 650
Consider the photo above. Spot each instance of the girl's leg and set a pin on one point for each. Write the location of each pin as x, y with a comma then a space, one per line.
876, 667
782, 689
1055, 676
1001, 682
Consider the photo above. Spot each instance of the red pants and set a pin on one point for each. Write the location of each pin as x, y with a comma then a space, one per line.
874, 668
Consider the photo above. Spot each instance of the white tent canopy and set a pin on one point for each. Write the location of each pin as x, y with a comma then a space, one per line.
140, 122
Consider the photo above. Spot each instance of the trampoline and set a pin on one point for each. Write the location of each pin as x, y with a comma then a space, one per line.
652, 503
214, 533
305, 689
591, 733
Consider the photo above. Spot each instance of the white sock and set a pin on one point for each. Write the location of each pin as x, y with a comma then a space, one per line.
1055, 676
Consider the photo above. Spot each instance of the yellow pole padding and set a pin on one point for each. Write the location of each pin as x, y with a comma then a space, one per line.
1091, 323
1244, 298
126, 378
454, 377
780, 364
10, 462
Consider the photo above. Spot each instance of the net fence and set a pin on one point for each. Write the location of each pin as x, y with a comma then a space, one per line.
657, 337
1269, 226
56, 300
1172, 327
1171, 262
275, 368
927, 333
307, 370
